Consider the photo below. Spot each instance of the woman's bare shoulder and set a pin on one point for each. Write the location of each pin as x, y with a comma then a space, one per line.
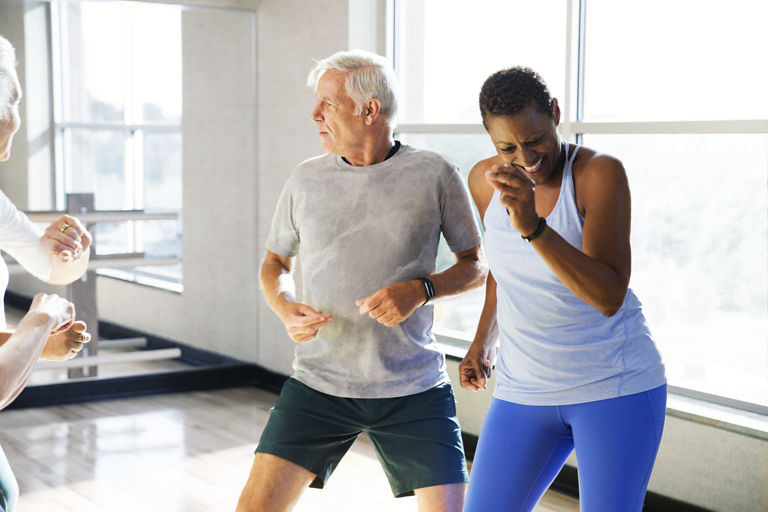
597, 175
477, 173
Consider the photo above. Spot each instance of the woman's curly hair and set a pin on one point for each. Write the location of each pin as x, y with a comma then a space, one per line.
509, 91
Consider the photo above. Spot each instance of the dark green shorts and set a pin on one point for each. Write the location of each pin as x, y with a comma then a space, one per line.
416, 437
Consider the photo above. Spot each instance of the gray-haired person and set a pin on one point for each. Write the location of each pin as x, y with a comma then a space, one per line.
365, 220
58, 256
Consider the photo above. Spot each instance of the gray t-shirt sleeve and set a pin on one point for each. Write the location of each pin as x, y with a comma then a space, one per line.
458, 221
283, 236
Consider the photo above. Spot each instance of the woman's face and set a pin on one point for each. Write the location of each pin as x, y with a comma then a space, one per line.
10, 124
528, 140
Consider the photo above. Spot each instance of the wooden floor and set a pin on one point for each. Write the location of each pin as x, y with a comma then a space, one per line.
187, 452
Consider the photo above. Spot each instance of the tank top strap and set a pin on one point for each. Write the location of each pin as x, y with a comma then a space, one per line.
573, 156
566, 186
567, 192
566, 216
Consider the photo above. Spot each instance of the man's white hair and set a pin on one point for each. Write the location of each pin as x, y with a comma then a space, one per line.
7, 76
368, 76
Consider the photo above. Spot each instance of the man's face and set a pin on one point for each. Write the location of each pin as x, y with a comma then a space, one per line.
10, 124
340, 130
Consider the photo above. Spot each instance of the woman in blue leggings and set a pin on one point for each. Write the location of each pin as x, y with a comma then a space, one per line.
577, 367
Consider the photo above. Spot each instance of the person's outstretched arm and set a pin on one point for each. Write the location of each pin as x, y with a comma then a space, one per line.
48, 314
61, 345
58, 256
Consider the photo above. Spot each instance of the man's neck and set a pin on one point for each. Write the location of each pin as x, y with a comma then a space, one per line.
371, 154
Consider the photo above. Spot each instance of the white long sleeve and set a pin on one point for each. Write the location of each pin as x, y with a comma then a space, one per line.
21, 239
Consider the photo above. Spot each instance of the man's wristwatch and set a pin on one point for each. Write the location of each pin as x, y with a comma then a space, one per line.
429, 288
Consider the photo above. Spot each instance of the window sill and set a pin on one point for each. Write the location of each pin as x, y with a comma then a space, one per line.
131, 277
748, 423
453, 343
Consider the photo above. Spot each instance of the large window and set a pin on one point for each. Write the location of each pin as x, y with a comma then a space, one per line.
694, 62
680, 99
118, 120
443, 53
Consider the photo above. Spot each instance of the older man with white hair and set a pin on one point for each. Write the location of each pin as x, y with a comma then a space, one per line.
365, 220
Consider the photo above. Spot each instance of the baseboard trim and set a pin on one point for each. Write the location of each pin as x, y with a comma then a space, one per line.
111, 388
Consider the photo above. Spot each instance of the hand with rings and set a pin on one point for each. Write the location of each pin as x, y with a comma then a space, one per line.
67, 237
67, 344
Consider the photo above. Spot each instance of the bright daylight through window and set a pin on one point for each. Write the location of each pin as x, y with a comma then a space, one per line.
119, 122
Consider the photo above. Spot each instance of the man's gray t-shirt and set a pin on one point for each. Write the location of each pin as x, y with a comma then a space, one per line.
357, 230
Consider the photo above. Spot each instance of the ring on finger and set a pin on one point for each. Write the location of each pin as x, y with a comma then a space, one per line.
64, 229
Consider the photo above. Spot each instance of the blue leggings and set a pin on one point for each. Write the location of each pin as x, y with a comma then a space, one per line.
522, 448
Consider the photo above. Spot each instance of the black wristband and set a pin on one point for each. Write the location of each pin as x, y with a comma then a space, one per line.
429, 288
539, 230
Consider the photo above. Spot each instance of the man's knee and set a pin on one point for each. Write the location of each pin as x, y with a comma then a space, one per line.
274, 485
441, 498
